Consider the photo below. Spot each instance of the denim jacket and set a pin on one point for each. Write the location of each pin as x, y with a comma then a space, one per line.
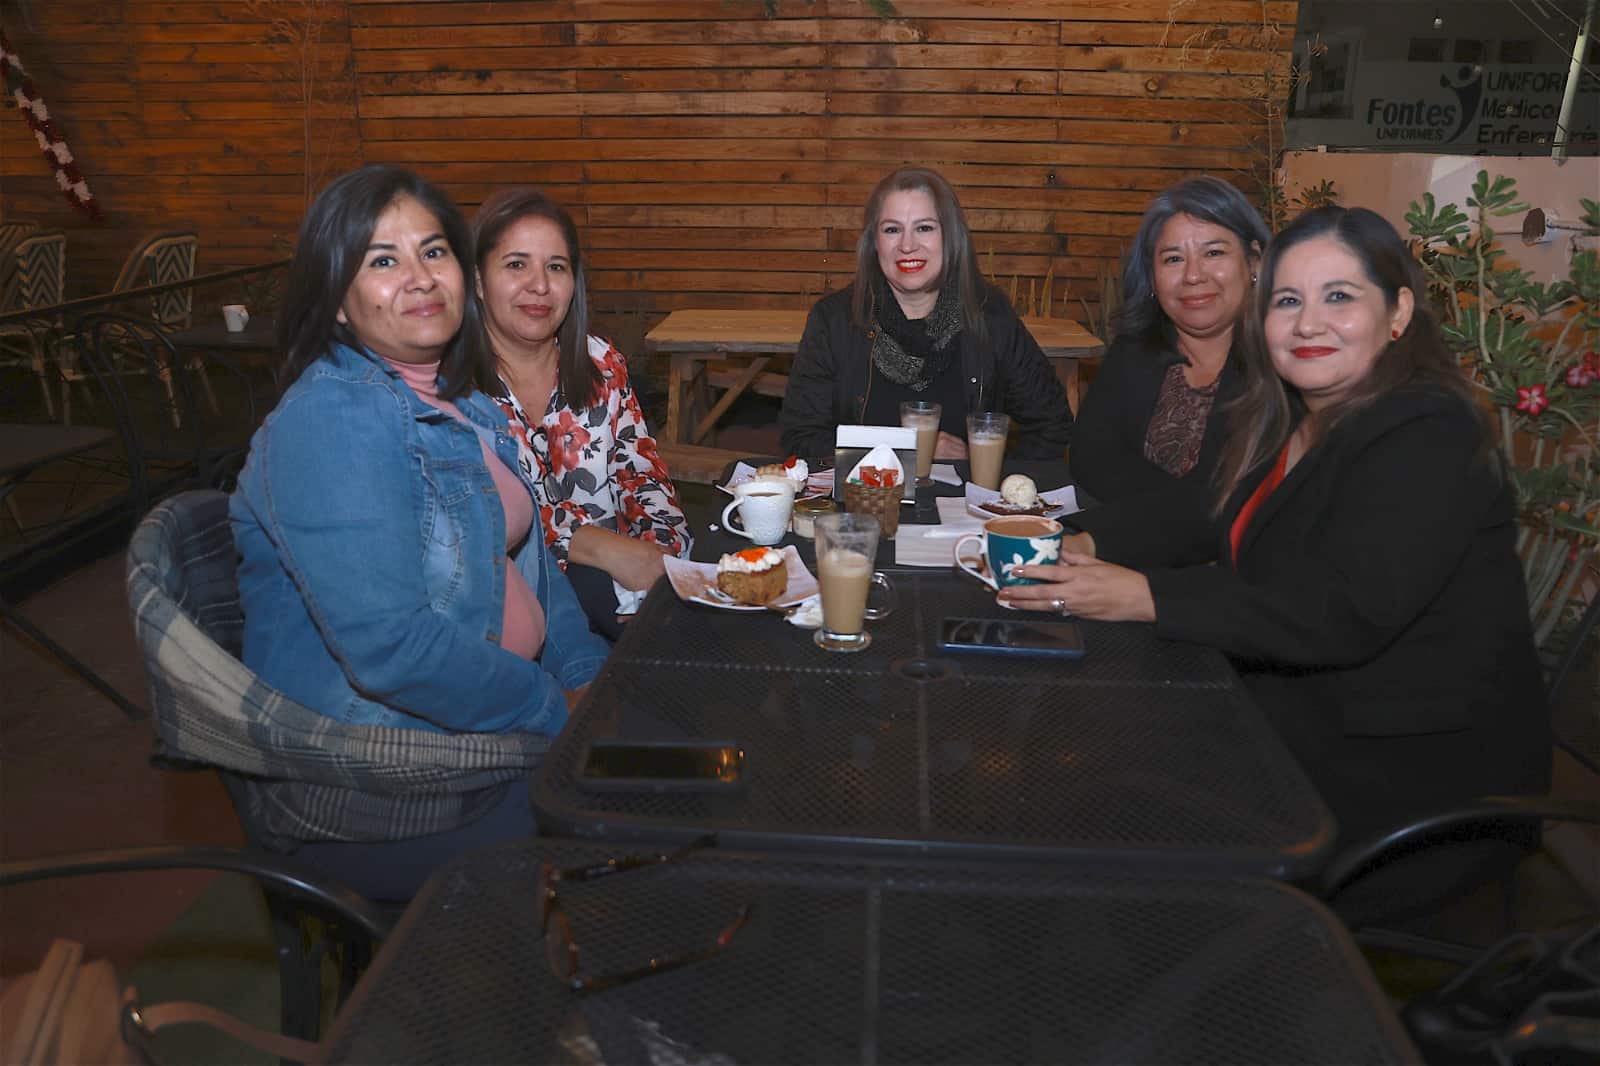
370, 538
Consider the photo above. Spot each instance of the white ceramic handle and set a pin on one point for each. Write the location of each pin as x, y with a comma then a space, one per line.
727, 520
985, 578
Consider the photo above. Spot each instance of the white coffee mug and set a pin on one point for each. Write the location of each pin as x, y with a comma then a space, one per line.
235, 317
764, 505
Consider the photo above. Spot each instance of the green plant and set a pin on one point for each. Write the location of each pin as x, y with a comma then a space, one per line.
1323, 194
1530, 346
1101, 318
1263, 46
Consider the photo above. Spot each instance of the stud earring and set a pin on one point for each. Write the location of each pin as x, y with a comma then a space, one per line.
1252, 279
1394, 334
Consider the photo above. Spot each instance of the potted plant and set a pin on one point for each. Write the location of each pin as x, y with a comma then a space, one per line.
1531, 347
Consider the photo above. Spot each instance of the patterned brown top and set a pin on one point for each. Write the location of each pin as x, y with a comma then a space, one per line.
1179, 423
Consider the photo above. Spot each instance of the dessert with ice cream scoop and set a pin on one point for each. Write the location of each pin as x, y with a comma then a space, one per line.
1018, 495
756, 576
793, 468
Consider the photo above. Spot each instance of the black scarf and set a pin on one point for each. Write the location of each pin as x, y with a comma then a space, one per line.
914, 353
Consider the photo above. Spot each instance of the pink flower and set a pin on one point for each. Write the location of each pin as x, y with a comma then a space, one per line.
1591, 362
1580, 376
1531, 399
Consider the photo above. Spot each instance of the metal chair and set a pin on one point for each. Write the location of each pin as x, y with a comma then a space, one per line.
281, 757
289, 888
173, 444
159, 259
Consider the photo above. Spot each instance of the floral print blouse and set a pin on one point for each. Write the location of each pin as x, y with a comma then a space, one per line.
599, 465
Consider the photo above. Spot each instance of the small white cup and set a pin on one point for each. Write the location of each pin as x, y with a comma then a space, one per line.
235, 317
764, 504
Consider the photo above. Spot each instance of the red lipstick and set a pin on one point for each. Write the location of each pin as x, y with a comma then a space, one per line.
1310, 352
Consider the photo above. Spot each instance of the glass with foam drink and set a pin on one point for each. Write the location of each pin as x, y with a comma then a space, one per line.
847, 545
986, 447
923, 417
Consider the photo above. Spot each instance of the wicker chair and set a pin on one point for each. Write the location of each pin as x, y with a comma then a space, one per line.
160, 259
38, 278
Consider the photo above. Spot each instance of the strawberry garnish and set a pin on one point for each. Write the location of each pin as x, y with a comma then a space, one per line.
788, 464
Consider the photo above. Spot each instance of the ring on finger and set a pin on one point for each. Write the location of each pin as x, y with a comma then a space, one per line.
1058, 605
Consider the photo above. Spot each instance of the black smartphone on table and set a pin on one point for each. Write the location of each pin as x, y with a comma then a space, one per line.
1007, 636
662, 766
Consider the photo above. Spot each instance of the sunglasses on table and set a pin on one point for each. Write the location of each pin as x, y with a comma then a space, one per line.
561, 950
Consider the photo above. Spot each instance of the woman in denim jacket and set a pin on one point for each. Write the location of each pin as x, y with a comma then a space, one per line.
386, 569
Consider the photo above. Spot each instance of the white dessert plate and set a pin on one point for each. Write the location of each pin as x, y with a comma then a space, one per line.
697, 583
820, 483
1058, 502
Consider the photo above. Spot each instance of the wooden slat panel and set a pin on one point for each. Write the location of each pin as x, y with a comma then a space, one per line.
713, 155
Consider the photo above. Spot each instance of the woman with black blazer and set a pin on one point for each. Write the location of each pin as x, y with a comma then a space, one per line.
1151, 418
919, 323
1366, 584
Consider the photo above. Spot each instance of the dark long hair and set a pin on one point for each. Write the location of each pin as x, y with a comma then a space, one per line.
333, 242
576, 374
959, 268
1262, 417
1206, 198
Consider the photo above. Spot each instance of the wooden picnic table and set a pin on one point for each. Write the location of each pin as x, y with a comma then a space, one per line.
696, 337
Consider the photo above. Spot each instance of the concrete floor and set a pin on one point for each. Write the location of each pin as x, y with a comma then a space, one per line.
75, 776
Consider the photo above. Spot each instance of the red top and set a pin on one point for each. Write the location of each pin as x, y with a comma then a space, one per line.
1241, 522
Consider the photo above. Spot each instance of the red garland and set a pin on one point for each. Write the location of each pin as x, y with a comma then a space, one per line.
51, 143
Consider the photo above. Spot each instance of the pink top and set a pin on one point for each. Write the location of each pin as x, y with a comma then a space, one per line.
522, 623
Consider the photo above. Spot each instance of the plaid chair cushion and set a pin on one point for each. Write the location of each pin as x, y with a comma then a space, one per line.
312, 777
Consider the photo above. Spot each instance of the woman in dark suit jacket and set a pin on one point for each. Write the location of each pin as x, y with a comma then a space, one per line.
1152, 418
919, 322
1366, 585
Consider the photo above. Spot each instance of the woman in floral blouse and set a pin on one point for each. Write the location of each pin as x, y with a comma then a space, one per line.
609, 509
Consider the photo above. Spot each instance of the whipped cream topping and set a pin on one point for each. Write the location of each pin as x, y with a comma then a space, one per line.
749, 561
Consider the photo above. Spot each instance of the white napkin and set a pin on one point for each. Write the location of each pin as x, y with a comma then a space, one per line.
935, 545
808, 613
945, 474
882, 457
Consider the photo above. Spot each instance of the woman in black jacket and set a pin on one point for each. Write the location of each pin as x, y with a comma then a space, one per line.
1366, 586
919, 323
1150, 418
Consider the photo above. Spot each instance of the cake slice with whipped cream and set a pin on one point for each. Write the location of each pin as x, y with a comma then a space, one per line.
756, 576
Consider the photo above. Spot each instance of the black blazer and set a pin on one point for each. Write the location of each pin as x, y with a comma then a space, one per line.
1376, 610
1108, 436
833, 372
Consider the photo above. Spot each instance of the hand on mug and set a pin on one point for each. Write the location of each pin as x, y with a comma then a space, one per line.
1086, 587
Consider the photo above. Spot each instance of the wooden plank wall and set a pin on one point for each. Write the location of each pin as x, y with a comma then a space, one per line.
712, 155
182, 115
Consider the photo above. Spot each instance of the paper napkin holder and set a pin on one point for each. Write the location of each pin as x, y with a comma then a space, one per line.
854, 442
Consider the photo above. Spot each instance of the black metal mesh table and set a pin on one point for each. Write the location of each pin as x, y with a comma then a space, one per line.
847, 962
1145, 751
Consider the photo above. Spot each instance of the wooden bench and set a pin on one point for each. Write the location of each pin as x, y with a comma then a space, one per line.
694, 462
743, 343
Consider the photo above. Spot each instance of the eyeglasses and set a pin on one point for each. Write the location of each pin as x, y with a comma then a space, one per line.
561, 950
